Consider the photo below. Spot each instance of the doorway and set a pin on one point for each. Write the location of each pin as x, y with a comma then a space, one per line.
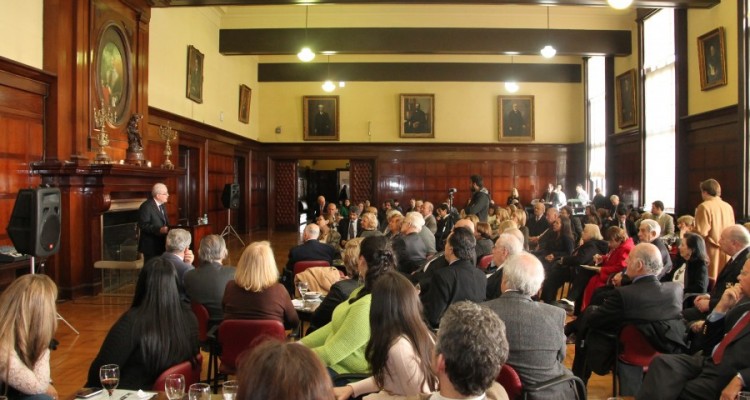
321, 178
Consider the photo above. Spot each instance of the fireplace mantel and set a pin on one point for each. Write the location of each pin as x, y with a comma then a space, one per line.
88, 191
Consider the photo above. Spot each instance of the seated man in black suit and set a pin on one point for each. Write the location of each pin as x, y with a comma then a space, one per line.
724, 367
311, 248
351, 227
460, 281
654, 307
621, 221
206, 284
537, 224
649, 232
153, 223
506, 245
423, 276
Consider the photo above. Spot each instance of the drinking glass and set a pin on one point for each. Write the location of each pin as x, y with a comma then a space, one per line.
174, 386
302, 287
109, 376
229, 390
199, 391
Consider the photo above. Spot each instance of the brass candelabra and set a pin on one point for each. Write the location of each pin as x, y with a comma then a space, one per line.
102, 116
168, 135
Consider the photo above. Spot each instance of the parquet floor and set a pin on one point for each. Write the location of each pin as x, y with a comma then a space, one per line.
93, 317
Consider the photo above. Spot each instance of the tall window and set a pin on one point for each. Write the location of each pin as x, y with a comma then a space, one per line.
659, 67
596, 86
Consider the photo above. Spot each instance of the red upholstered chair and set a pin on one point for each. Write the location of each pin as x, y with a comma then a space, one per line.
239, 335
510, 381
633, 349
508, 378
207, 339
192, 373
484, 262
300, 266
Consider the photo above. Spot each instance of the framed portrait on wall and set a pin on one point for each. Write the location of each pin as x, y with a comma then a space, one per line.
712, 59
194, 75
113, 72
515, 118
417, 116
320, 117
625, 92
244, 112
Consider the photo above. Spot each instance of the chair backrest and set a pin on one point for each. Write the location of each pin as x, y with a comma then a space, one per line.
239, 335
192, 373
634, 348
510, 381
300, 266
201, 314
484, 262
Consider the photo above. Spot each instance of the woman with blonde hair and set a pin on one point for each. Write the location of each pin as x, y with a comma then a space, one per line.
27, 323
370, 225
255, 292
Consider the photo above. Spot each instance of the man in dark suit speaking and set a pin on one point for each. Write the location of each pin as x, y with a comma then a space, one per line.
153, 223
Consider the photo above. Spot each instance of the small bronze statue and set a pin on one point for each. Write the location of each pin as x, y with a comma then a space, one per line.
134, 155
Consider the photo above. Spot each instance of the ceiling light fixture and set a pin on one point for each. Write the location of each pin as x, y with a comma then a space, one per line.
619, 4
306, 54
511, 86
548, 51
328, 85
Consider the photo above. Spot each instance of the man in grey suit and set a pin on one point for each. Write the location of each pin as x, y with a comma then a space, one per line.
179, 254
206, 284
534, 330
429, 220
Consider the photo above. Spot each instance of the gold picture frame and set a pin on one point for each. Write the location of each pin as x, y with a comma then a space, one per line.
712, 59
625, 92
244, 111
320, 117
417, 116
515, 118
194, 75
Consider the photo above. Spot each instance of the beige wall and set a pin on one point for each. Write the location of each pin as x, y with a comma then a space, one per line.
21, 23
624, 64
701, 22
171, 31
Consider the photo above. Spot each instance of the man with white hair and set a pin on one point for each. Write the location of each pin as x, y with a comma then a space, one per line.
429, 220
537, 357
649, 232
311, 248
506, 245
179, 254
410, 249
153, 223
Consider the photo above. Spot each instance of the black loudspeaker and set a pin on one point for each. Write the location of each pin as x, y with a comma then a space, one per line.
230, 197
34, 226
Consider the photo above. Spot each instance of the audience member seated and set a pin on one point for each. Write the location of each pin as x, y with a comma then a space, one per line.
575, 224
320, 207
278, 370
612, 263
685, 223
410, 249
427, 237
592, 217
569, 268
556, 243
723, 369
734, 242
692, 270
206, 284
492, 217
344, 210
370, 225
621, 221
483, 236
400, 353
551, 216
311, 248
28, 320
507, 244
332, 213
255, 292
429, 220
352, 227
616, 207
445, 221
537, 224
654, 307
423, 276
665, 220
470, 350
327, 235
649, 232
341, 343
341, 290
599, 200
179, 253
460, 280
395, 219
536, 357
157, 332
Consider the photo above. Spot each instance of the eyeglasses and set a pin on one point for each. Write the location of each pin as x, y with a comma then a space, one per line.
162, 194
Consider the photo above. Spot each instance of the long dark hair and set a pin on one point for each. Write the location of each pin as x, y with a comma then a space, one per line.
396, 311
696, 243
379, 258
565, 228
161, 324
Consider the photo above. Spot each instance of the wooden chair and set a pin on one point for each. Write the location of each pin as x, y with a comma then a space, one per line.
237, 336
192, 373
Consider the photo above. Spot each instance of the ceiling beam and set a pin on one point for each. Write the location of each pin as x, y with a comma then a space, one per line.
636, 3
423, 41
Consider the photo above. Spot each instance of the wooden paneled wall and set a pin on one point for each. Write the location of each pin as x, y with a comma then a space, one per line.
624, 162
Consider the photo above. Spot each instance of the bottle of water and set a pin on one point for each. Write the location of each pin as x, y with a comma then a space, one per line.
205, 219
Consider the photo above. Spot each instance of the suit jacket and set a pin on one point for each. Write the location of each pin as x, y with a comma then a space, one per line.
737, 354
727, 277
711, 217
430, 223
181, 267
666, 259
309, 251
150, 220
536, 228
494, 281
536, 357
411, 252
479, 204
460, 281
666, 222
206, 284
344, 228
317, 211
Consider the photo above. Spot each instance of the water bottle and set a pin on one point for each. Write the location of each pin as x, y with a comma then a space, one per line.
205, 219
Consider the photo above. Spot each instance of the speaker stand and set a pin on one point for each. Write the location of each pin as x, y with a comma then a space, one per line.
230, 229
59, 317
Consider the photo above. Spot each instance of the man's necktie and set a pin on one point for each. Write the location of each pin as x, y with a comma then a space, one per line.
738, 327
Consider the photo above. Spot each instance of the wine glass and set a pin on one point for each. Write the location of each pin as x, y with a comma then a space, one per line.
109, 376
174, 386
199, 391
229, 389
302, 287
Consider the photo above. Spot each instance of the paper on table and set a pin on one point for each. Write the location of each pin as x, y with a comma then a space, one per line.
122, 394
592, 267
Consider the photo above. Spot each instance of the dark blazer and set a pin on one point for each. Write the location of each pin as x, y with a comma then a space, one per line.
666, 259
411, 252
536, 228
737, 354
344, 228
150, 220
479, 204
206, 284
309, 251
536, 357
493, 282
696, 275
460, 281
317, 211
728, 276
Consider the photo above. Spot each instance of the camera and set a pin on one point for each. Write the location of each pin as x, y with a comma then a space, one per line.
452, 190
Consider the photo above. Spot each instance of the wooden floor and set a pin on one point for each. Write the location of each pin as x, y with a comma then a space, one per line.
93, 317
